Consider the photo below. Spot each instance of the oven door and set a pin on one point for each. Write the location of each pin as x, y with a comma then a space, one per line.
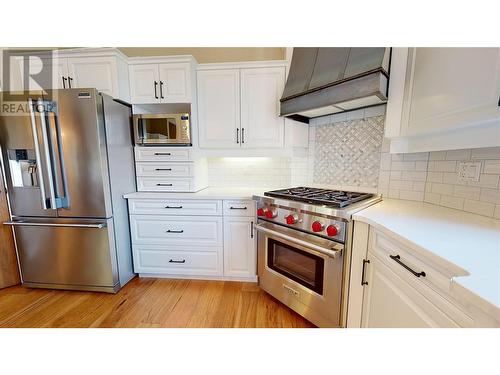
162, 129
302, 271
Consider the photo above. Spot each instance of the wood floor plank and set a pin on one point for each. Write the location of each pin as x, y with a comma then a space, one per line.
149, 303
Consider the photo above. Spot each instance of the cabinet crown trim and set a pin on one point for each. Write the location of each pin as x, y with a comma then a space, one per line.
243, 64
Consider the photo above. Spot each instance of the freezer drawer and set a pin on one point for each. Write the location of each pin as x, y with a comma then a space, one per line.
67, 254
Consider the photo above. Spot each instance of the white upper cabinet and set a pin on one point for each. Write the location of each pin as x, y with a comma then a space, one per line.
103, 69
261, 90
239, 108
144, 82
175, 83
98, 72
444, 98
160, 82
219, 108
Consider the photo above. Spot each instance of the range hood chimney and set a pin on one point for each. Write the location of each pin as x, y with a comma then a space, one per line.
323, 81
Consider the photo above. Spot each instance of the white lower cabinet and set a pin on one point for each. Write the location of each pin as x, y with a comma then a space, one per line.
240, 255
193, 238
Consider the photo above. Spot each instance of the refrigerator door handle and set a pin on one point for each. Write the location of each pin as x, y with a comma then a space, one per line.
40, 107
33, 224
37, 154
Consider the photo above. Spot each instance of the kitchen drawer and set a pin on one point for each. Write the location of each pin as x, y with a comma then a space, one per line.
162, 154
177, 261
175, 207
239, 208
162, 169
165, 184
435, 285
176, 230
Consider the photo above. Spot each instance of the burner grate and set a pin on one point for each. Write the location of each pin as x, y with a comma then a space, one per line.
326, 197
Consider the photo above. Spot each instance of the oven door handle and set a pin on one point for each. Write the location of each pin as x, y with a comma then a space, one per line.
328, 252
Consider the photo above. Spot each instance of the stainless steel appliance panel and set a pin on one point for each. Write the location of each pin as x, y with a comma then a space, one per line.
66, 253
24, 162
80, 116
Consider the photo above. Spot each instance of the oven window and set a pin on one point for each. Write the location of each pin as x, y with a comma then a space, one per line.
298, 265
158, 129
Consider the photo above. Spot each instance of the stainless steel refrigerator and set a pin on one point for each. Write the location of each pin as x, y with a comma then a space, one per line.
68, 160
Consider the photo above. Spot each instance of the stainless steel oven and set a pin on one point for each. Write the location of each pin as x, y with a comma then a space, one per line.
301, 270
162, 129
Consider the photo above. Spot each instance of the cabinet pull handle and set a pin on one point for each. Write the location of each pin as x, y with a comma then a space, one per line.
175, 231
242, 135
161, 89
251, 229
363, 282
237, 135
163, 169
177, 261
397, 259
173, 206
162, 153
64, 81
237, 208
156, 94
159, 184
69, 81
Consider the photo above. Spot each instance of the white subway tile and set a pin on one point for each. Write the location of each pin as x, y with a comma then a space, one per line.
469, 192
486, 181
421, 165
437, 155
442, 189
428, 187
480, 208
416, 156
452, 202
435, 176
397, 157
445, 166
413, 176
490, 195
411, 195
458, 155
452, 178
432, 198
486, 153
491, 167
418, 186
403, 166
396, 175
401, 185
393, 193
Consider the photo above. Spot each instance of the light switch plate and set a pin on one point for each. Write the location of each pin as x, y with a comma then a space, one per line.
469, 170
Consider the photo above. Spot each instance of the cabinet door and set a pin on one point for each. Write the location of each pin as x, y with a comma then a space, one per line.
261, 90
175, 83
219, 108
142, 83
391, 302
240, 255
452, 88
94, 72
44, 73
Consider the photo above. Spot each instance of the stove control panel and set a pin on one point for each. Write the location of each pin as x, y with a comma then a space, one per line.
303, 221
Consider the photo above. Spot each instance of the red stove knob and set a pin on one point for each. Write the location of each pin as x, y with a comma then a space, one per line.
317, 226
291, 219
270, 214
332, 230
261, 212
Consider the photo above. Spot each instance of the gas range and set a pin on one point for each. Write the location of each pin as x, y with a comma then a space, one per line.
320, 212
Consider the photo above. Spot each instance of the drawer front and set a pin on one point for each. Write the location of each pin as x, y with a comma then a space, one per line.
239, 208
165, 184
176, 230
434, 285
175, 207
177, 261
162, 154
149, 169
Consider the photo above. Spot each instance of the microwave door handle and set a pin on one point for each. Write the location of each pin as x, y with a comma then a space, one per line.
48, 156
138, 139
38, 155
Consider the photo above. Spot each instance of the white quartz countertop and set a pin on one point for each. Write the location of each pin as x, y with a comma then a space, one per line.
207, 193
467, 241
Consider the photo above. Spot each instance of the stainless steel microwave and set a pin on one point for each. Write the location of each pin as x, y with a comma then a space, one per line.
162, 129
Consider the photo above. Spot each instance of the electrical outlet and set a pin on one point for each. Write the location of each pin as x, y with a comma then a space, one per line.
469, 170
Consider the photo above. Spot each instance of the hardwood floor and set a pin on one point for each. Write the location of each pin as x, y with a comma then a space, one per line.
152, 303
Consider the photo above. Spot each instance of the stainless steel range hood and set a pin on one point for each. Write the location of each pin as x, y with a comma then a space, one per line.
323, 81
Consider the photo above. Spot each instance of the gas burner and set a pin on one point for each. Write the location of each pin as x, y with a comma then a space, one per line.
326, 197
